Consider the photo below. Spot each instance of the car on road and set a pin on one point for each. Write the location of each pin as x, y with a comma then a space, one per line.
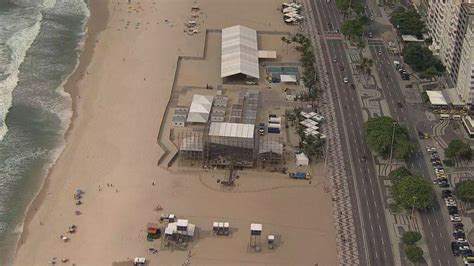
261, 129
446, 193
430, 149
455, 218
400, 105
334, 59
453, 210
379, 52
459, 234
345, 80
455, 248
341, 68
458, 226
443, 183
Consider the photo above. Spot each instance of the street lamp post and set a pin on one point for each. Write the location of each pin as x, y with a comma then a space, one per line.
413, 208
391, 146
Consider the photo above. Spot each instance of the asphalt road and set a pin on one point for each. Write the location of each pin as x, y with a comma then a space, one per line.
433, 222
373, 239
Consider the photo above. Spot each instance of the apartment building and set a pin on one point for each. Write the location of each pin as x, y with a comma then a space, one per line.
465, 79
452, 31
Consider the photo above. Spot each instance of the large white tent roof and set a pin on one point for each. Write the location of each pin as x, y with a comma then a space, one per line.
436, 98
200, 108
235, 130
239, 52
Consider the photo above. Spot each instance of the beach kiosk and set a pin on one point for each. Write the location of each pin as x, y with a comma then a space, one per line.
226, 229
271, 241
255, 237
215, 228
153, 231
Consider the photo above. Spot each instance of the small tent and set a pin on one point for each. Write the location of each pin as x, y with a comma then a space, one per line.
302, 159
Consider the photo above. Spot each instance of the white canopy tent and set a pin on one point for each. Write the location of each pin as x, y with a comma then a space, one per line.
288, 78
301, 159
437, 98
239, 52
200, 108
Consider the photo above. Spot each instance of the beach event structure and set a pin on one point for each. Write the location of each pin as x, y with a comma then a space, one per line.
200, 108
301, 159
255, 236
288, 78
239, 52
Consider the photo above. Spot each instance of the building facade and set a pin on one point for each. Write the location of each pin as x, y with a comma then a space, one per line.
450, 26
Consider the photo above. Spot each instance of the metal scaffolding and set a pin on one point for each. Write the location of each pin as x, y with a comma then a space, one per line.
270, 153
190, 148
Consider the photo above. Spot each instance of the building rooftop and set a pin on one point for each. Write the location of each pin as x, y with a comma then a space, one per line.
436, 98
235, 130
239, 52
200, 108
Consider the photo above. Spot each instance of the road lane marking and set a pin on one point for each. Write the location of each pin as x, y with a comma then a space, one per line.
380, 228
428, 221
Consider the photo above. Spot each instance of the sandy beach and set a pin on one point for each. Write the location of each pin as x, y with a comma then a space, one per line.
120, 92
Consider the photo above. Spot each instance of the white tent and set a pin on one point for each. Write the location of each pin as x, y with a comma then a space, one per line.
200, 108
239, 52
302, 159
437, 98
288, 78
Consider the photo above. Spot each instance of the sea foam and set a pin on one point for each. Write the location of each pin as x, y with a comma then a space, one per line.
18, 44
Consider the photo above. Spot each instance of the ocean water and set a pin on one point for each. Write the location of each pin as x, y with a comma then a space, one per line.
40, 41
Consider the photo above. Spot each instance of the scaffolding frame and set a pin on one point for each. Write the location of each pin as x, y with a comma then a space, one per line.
270, 152
191, 148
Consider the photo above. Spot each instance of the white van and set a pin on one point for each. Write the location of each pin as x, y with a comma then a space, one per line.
457, 117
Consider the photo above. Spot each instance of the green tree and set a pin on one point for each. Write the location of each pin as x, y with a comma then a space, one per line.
343, 5
399, 173
407, 21
414, 253
411, 237
465, 191
352, 28
413, 191
458, 150
379, 132
430, 73
421, 59
309, 76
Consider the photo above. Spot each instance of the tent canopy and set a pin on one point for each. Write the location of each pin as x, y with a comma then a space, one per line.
436, 98
288, 78
239, 52
200, 108
302, 159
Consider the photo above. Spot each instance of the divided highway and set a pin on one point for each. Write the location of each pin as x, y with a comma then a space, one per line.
373, 239
434, 226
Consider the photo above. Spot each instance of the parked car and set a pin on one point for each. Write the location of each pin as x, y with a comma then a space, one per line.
458, 226
455, 249
443, 184
345, 80
455, 218
459, 234
453, 211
